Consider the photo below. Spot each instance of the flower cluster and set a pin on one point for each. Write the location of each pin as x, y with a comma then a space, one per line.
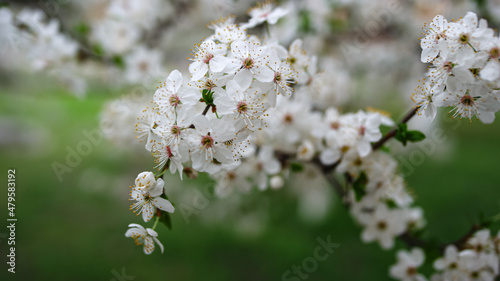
252, 110
478, 260
44, 47
147, 193
465, 69
380, 202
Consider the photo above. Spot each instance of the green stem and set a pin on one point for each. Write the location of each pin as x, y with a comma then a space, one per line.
472, 47
156, 222
268, 29
165, 168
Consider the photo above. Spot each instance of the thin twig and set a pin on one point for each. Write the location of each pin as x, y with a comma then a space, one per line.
392, 132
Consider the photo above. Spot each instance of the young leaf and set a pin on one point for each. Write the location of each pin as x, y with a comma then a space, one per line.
359, 186
207, 96
415, 136
401, 133
296, 167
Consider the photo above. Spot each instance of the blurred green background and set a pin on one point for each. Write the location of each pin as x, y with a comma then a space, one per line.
74, 230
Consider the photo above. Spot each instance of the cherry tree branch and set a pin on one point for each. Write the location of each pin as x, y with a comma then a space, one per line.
392, 132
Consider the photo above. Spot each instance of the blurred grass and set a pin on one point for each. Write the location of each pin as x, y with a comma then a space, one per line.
73, 230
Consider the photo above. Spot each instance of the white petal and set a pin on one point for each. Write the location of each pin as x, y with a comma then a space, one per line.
225, 105
487, 117
364, 148
136, 225
159, 244
157, 189
201, 124
197, 69
223, 154
135, 232
147, 212
174, 80
151, 232
491, 71
244, 78
163, 204
263, 74
329, 156
368, 235
223, 129
149, 245
272, 167
218, 63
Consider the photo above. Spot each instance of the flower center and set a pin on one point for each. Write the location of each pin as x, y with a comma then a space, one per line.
479, 248
174, 100
292, 60
334, 125
411, 271
169, 151
248, 63
207, 142
288, 118
362, 130
381, 225
143, 66
494, 52
464, 38
259, 166
242, 107
467, 100
358, 162
448, 66
209, 84
138, 239
231, 176
474, 71
277, 77
175, 130
207, 58
453, 265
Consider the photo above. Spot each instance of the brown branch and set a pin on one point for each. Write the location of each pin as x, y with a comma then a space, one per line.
206, 109
392, 132
461, 242
327, 170
412, 241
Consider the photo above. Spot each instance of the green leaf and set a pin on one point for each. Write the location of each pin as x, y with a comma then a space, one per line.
391, 204
385, 149
401, 133
207, 96
404, 136
82, 29
296, 167
166, 219
305, 22
98, 50
415, 136
118, 60
359, 186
